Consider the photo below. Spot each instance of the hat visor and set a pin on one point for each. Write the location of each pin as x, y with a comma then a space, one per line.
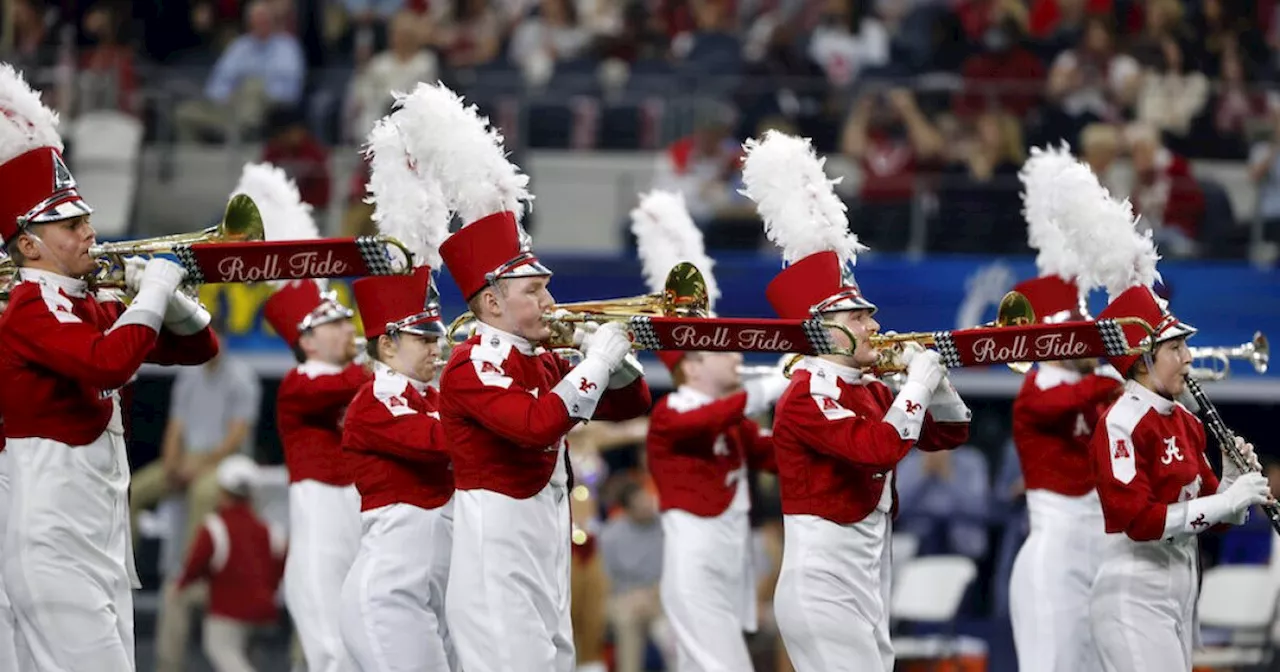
845, 304
426, 326
69, 209
1176, 330
332, 312
531, 268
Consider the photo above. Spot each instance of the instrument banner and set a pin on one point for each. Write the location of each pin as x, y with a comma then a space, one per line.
287, 260
982, 346
729, 334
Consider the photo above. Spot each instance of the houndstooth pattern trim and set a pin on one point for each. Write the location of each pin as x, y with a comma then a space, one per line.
819, 336
187, 258
376, 258
644, 333
946, 346
1113, 340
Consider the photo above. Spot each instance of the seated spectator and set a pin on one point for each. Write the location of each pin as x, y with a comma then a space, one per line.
849, 39
262, 68
1238, 110
1058, 24
472, 37
106, 79
1172, 95
943, 499
892, 141
553, 34
979, 204
1090, 82
1264, 169
400, 68
1164, 20
1004, 75
1100, 146
370, 16
293, 148
1164, 192
705, 167
632, 548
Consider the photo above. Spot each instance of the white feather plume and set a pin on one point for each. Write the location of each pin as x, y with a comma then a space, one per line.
1045, 199
454, 144
26, 123
1108, 250
666, 236
407, 206
802, 214
284, 215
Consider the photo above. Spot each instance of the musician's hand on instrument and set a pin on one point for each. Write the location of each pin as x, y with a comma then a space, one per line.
609, 344
133, 268
763, 392
626, 374
926, 369
1249, 454
582, 331
161, 273
1251, 488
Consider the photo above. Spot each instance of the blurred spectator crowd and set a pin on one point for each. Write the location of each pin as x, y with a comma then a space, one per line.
933, 102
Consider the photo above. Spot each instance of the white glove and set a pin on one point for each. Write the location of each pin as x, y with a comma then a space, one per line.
763, 392
583, 331
159, 280
926, 369
184, 315
909, 350
1190, 518
1230, 472
946, 404
133, 268
609, 344
626, 374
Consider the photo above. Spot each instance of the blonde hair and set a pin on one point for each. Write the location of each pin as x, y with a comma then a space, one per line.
1100, 136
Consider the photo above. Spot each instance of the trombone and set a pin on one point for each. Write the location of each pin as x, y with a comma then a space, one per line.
241, 223
1014, 311
1214, 363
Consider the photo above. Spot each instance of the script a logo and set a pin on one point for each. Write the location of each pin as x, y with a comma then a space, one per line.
829, 404
912, 407
1121, 451
395, 401
585, 386
487, 367
1171, 451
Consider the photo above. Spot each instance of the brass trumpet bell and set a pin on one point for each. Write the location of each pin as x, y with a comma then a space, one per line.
1214, 363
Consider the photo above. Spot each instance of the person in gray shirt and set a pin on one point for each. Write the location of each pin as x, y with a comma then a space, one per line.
212, 412
631, 545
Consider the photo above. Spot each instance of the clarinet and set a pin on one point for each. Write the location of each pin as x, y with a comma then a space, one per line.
1227, 440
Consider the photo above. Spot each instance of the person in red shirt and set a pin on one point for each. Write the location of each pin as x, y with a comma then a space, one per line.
393, 599
65, 353
1054, 416
242, 560
324, 506
1158, 494
507, 403
838, 434
700, 444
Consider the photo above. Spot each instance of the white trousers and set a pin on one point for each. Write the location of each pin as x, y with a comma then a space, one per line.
708, 591
8, 652
393, 599
324, 537
1143, 606
832, 599
1051, 584
226, 644
508, 606
68, 561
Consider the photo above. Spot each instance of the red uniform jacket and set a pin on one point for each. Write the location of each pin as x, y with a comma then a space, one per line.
1053, 420
309, 410
61, 360
243, 561
1148, 453
394, 444
503, 426
696, 444
834, 453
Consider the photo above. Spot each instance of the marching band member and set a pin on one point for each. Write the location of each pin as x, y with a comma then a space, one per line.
701, 443
8, 652
394, 596
64, 355
1054, 416
1157, 489
324, 506
242, 559
507, 404
837, 433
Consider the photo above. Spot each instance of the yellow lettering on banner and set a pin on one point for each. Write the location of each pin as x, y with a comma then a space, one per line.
242, 304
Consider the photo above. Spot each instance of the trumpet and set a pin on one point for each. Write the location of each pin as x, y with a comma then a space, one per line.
685, 295
242, 222
1014, 310
1214, 363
